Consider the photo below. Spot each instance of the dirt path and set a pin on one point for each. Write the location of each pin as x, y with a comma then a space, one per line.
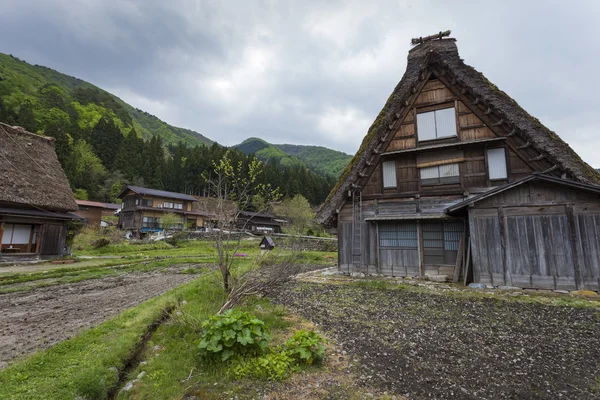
432, 345
42, 317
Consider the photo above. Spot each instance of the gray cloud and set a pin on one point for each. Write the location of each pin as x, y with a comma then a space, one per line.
308, 72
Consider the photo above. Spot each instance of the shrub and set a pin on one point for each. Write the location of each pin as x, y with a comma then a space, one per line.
306, 347
272, 366
233, 333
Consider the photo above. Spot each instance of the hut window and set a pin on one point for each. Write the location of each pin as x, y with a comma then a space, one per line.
168, 204
440, 174
147, 202
436, 124
496, 160
389, 174
19, 238
440, 242
178, 206
398, 234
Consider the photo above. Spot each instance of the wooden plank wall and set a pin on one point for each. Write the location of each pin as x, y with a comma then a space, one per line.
473, 170
53, 239
534, 237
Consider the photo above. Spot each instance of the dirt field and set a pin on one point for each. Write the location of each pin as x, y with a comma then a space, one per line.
434, 345
39, 318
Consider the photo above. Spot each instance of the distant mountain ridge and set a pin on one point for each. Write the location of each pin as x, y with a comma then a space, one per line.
318, 158
21, 82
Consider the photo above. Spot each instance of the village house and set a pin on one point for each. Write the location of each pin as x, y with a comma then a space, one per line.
143, 209
93, 212
35, 197
259, 222
455, 179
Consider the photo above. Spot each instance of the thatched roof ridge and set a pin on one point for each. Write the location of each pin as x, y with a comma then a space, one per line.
443, 54
30, 174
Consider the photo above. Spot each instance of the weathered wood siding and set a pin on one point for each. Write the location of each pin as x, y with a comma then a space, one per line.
533, 236
473, 169
53, 239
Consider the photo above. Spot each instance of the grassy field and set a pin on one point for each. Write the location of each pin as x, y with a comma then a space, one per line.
92, 364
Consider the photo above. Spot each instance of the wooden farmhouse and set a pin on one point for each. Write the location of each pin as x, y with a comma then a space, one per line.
454, 178
35, 197
93, 212
260, 223
143, 208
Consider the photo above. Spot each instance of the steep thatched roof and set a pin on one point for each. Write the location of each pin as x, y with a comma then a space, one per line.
441, 57
30, 174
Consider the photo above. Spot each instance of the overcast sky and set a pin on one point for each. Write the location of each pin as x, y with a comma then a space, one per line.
309, 72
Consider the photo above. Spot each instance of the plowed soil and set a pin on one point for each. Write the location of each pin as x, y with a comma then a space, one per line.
39, 318
432, 345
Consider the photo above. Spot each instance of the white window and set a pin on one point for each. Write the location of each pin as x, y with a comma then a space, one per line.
389, 174
440, 174
168, 204
436, 124
178, 206
496, 160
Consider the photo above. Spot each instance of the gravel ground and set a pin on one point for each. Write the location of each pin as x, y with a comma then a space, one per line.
39, 318
434, 345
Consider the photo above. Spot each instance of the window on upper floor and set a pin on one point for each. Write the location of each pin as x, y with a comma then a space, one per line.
496, 161
147, 202
436, 124
440, 174
168, 204
178, 206
389, 174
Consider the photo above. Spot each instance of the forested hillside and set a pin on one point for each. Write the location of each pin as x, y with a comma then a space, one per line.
317, 158
104, 143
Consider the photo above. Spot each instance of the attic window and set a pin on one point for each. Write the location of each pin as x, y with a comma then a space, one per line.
440, 174
496, 160
389, 174
436, 124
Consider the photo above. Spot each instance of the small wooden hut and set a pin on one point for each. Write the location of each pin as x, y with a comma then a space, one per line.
454, 178
267, 243
35, 197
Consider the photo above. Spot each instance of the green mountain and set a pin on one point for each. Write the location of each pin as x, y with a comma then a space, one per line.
317, 158
32, 95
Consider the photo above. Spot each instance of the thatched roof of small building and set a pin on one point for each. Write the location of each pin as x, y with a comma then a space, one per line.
442, 57
30, 174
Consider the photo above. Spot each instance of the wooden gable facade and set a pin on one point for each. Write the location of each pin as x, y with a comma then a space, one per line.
445, 136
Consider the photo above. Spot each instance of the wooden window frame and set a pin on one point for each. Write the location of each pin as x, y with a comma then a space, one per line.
506, 164
453, 180
429, 110
395, 186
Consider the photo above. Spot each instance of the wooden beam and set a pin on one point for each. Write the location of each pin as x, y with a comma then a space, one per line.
467, 261
499, 122
504, 246
459, 258
1, 234
420, 247
553, 168
476, 126
574, 239
537, 158
526, 145
439, 36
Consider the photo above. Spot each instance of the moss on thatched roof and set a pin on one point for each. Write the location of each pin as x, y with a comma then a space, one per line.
443, 54
30, 174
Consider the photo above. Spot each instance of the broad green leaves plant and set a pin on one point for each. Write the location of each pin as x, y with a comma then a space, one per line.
306, 347
233, 333
272, 366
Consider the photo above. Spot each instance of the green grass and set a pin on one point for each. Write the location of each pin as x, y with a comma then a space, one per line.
8, 283
85, 365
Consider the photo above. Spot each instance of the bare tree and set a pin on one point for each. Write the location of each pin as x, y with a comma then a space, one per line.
234, 188
262, 281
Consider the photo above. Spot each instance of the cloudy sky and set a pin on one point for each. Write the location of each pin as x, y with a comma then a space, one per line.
309, 72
